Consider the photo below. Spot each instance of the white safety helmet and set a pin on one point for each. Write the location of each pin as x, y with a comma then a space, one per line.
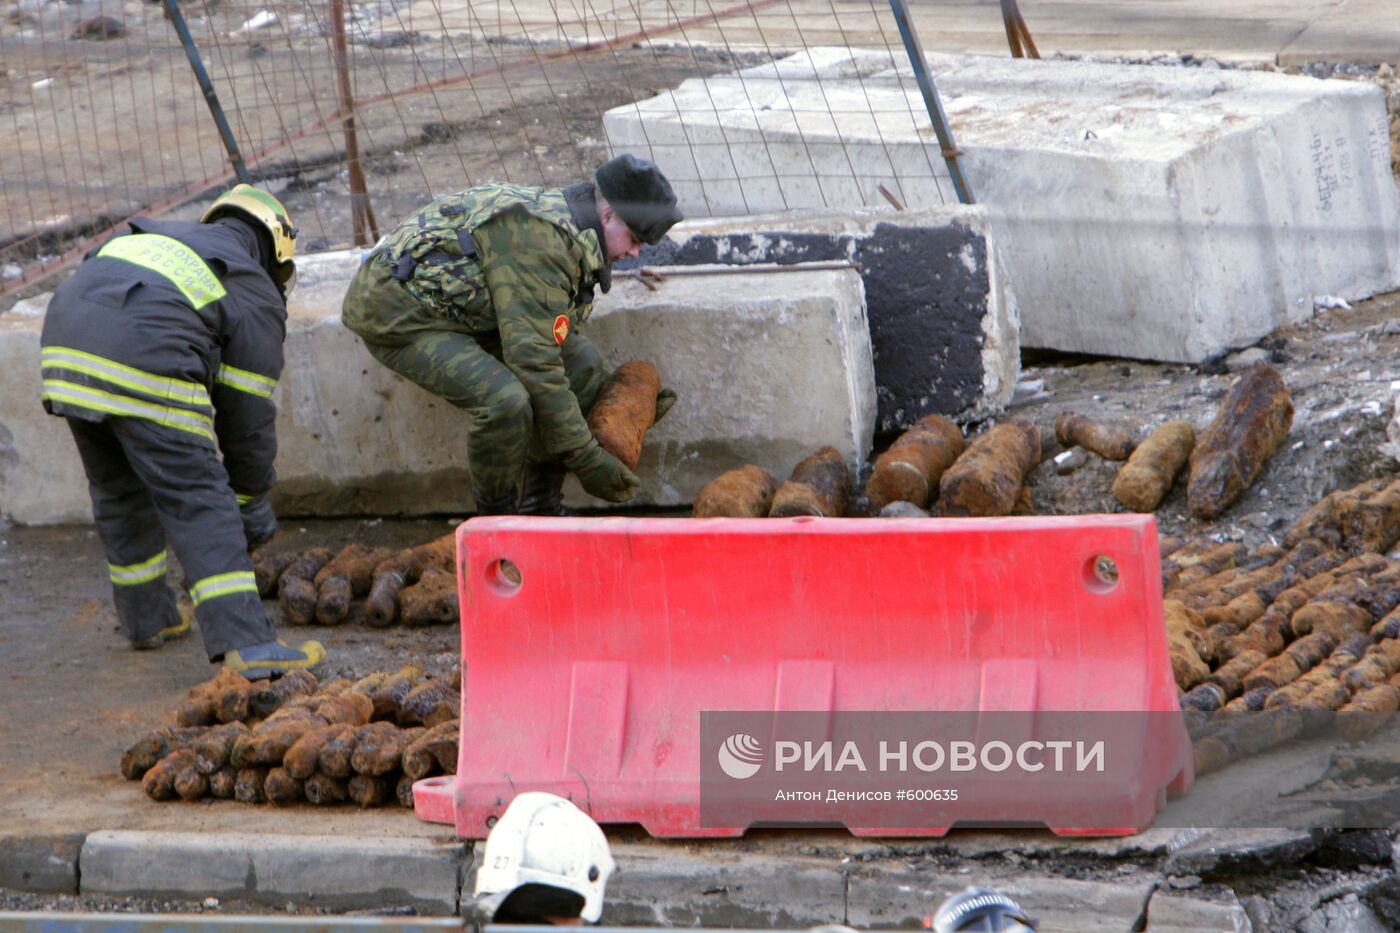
544, 840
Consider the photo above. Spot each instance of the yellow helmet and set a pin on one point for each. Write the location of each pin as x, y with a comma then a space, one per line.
262, 208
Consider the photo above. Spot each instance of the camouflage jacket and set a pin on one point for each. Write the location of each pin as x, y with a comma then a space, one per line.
521, 261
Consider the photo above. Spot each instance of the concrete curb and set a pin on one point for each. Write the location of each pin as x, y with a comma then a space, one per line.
40, 864
327, 871
727, 884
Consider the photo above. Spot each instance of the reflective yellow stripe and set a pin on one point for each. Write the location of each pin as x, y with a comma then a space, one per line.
242, 499
172, 259
224, 584
128, 377
69, 393
245, 381
136, 574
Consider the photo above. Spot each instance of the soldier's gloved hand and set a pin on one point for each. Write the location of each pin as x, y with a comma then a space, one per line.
602, 474
259, 524
664, 400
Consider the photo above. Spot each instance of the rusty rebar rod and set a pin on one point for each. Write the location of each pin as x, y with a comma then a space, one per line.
361, 213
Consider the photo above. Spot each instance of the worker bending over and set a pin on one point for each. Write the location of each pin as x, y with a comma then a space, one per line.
478, 298
161, 352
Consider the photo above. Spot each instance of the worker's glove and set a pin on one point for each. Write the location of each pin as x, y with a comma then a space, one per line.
259, 524
664, 400
602, 474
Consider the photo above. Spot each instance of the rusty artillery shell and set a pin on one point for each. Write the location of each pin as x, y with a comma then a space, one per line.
301, 758
1198, 561
1206, 697
1108, 441
355, 563
430, 601
421, 757
1265, 635
388, 697
248, 785
1239, 612
213, 747
373, 790
158, 783
392, 575
1275, 672
1321, 520
281, 788
296, 590
1251, 701
1374, 524
1230, 675
426, 699
268, 568
1368, 712
347, 575
625, 409
910, 470
818, 486
1182, 622
1221, 637
1367, 672
380, 747
1147, 477
191, 783
143, 754
1337, 619
221, 783
337, 755
333, 599
201, 702
743, 493
234, 703
322, 789
1311, 649
269, 695
354, 709
1355, 646
403, 791
269, 742
987, 478
1253, 419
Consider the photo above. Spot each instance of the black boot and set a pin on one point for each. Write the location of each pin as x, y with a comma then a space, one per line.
503, 506
541, 492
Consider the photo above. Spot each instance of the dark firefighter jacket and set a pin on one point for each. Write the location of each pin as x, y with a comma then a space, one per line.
179, 324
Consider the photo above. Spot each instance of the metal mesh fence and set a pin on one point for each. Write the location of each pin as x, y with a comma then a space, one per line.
101, 117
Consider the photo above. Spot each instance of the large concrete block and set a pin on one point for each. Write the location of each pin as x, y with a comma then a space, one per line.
762, 379
352, 436
41, 478
944, 326
768, 367
1143, 212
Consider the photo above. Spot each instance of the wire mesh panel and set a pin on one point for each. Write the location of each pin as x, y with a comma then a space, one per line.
101, 117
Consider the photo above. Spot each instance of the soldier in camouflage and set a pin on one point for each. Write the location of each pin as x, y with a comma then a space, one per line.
478, 297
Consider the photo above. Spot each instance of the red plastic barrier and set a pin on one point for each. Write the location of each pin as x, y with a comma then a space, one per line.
588, 677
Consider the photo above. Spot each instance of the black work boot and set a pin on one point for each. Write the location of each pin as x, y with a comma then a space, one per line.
502, 506
543, 489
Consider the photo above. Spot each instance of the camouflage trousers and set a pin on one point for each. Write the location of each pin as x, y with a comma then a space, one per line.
466, 369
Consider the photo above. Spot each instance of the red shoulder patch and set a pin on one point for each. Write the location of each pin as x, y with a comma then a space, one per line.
561, 329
